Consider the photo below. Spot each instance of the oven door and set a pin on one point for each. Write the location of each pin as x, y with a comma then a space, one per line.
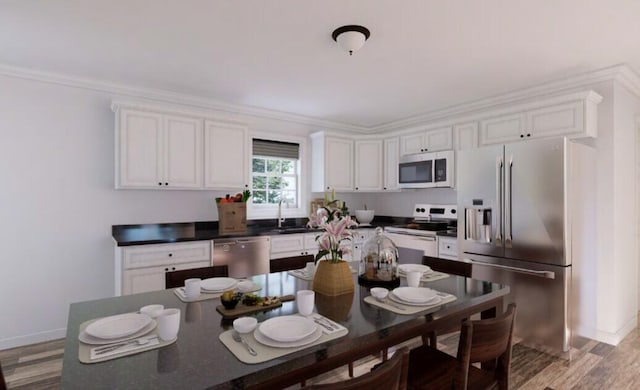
426, 245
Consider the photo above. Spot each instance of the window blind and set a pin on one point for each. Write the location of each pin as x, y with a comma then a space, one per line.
278, 149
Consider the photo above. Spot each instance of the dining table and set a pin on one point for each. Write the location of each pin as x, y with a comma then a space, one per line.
199, 360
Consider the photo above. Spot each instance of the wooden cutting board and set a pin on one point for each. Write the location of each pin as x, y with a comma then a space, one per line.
243, 309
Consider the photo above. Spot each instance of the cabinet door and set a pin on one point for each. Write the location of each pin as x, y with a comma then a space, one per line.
310, 243
287, 245
339, 164
466, 136
183, 152
563, 119
391, 160
152, 279
438, 139
140, 150
226, 156
368, 165
412, 143
501, 129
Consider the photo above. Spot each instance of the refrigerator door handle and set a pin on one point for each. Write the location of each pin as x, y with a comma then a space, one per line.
499, 185
539, 274
508, 228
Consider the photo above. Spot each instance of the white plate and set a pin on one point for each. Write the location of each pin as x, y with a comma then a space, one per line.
404, 268
247, 286
434, 301
218, 284
262, 339
120, 325
414, 294
88, 339
288, 328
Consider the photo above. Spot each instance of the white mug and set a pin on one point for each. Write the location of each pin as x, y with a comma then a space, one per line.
305, 300
310, 269
413, 278
192, 288
168, 324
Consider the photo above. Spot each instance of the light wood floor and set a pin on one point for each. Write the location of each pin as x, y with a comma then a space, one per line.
594, 366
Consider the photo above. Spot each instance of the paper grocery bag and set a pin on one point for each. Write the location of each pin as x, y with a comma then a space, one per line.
232, 218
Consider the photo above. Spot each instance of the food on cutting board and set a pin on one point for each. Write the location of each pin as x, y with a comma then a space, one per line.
256, 300
240, 197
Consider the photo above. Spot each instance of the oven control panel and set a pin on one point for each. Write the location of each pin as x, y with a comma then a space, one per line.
423, 211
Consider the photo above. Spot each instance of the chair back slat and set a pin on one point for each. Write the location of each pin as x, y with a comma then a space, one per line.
176, 278
391, 375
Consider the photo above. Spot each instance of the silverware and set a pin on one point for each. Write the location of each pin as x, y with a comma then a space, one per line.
236, 336
113, 347
326, 326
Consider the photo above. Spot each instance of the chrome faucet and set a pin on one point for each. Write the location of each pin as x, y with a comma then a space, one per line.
280, 218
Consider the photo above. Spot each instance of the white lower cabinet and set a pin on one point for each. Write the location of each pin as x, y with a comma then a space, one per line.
448, 248
143, 266
152, 279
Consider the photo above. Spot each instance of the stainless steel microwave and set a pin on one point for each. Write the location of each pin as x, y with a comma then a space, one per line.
426, 170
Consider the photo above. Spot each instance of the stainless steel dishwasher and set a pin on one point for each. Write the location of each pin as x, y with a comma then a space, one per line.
246, 256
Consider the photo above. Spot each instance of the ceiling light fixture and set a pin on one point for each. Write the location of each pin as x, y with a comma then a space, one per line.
351, 38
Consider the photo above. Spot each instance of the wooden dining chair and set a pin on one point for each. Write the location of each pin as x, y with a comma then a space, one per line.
175, 279
3, 384
391, 375
482, 341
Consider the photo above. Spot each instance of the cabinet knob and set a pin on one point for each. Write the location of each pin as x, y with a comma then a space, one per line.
166, 269
521, 135
159, 183
356, 188
384, 188
327, 187
166, 184
170, 254
528, 135
246, 186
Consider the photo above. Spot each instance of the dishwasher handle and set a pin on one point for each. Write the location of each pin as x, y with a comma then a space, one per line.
539, 274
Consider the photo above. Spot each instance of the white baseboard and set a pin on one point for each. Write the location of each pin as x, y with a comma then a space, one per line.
33, 338
608, 337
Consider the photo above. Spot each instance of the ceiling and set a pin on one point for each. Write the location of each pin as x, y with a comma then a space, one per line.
423, 55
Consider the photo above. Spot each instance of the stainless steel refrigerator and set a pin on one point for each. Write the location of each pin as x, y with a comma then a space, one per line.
527, 220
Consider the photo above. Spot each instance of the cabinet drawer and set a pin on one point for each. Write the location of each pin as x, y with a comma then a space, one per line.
447, 246
136, 281
155, 255
287, 243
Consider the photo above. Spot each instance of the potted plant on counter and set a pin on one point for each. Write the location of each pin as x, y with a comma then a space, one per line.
333, 275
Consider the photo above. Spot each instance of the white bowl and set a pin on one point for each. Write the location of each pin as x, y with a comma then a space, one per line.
152, 310
379, 292
245, 324
364, 216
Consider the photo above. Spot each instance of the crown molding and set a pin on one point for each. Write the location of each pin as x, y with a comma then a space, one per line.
621, 72
164, 96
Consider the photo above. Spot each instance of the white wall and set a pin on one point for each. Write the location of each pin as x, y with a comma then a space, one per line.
58, 203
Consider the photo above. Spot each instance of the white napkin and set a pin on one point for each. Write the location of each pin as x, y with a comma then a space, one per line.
322, 320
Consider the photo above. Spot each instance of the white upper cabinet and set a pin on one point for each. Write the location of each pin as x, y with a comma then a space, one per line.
427, 141
331, 163
573, 115
391, 160
465, 136
368, 165
226, 155
158, 151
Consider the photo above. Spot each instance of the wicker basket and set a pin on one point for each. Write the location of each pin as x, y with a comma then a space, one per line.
333, 278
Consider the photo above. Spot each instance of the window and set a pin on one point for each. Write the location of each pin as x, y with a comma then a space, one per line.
275, 174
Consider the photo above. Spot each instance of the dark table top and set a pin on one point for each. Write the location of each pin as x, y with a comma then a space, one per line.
199, 360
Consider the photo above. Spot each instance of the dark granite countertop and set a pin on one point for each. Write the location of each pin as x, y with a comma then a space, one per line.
448, 233
198, 359
163, 233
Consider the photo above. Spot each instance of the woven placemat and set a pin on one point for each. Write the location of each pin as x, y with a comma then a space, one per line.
84, 350
266, 353
399, 308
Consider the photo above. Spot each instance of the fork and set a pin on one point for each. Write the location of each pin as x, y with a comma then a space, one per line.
113, 347
236, 336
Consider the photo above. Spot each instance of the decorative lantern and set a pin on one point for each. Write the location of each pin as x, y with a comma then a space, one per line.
379, 262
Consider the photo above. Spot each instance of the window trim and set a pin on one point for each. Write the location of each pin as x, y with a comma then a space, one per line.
262, 212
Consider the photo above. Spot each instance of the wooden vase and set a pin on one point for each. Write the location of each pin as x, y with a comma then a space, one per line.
333, 278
